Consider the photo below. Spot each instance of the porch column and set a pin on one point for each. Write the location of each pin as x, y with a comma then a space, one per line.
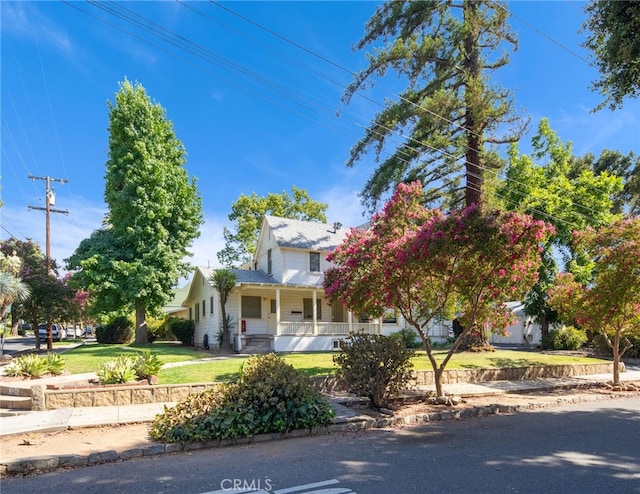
278, 311
350, 321
315, 313
239, 325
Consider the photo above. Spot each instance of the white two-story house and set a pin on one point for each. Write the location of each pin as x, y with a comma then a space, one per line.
279, 303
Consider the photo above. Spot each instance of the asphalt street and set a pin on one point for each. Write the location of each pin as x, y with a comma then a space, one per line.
583, 448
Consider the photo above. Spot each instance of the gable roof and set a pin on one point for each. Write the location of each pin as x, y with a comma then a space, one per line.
243, 276
308, 235
175, 304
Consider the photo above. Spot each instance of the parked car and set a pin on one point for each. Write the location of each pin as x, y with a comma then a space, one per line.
74, 331
57, 332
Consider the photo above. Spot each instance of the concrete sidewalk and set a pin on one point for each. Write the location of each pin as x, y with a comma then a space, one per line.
53, 420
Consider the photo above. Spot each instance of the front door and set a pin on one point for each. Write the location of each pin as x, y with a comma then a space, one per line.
271, 319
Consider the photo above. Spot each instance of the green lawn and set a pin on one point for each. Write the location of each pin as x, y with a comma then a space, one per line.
87, 358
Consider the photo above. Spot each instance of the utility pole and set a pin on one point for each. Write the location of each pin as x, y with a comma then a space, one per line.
50, 201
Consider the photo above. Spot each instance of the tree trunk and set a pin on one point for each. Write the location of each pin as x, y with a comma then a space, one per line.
49, 336
544, 326
472, 96
141, 325
616, 359
477, 341
15, 322
226, 333
437, 378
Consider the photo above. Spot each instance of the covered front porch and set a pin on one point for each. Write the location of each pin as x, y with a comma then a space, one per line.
296, 318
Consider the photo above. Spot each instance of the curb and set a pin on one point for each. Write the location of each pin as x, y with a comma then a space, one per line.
40, 464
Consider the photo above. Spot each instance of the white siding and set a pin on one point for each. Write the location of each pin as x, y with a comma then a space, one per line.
523, 332
304, 343
253, 326
268, 242
209, 323
296, 268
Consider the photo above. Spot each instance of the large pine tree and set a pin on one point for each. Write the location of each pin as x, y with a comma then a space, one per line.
451, 116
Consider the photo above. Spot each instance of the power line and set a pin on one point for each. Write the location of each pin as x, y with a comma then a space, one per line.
541, 33
196, 50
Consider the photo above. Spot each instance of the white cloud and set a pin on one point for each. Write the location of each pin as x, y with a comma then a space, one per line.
32, 23
66, 232
593, 132
344, 206
206, 246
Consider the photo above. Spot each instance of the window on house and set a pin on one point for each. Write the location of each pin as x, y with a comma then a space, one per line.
204, 309
269, 263
364, 318
273, 306
197, 311
251, 307
190, 314
211, 305
307, 309
338, 312
389, 317
314, 261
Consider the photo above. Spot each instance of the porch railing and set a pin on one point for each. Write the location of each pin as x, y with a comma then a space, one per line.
325, 328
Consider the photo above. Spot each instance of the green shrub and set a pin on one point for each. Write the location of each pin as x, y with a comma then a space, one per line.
29, 365
155, 329
118, 371
568, 338
119, 331
269, 395
54, 363
374, 366
147, 364
183, 330
409, 337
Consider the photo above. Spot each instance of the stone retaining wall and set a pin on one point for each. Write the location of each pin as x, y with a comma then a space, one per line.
100, 396
454, 376
51, 399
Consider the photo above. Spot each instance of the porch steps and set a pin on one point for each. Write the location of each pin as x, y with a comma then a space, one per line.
257, 344
15, 398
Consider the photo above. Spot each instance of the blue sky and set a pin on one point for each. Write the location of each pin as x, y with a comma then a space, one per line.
257, 110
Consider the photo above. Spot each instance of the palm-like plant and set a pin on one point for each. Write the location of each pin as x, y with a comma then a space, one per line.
224, 280
12, 289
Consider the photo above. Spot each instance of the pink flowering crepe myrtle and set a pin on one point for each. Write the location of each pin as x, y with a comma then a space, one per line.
427, 264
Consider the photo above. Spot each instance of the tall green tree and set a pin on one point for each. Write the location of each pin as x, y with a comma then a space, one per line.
613, 27
555, 192
626, 166
155, 212
224, 280
610, 303
562, 195
247, 212
451, 117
